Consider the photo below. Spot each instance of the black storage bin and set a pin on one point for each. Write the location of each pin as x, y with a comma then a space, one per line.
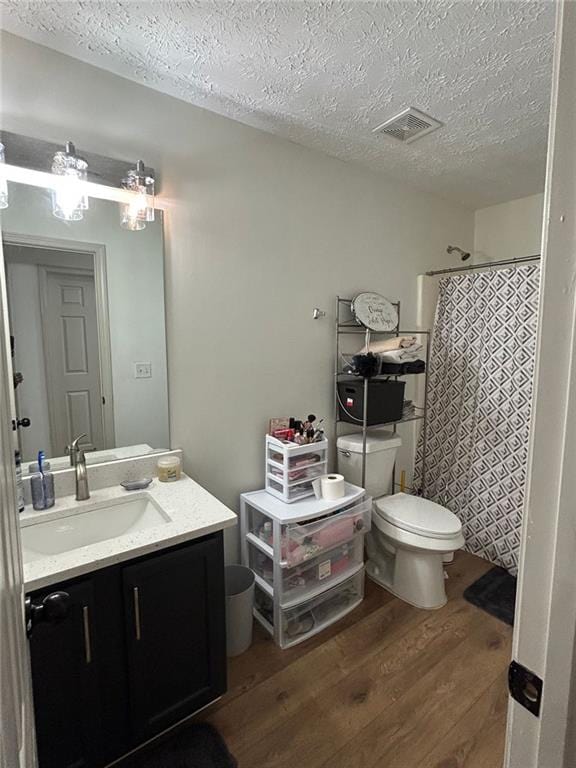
385, 401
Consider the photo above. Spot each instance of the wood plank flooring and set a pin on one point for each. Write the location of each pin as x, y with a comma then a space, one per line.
390, 686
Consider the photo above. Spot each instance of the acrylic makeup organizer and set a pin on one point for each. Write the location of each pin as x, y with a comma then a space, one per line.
347, 325
290, 468
308, 559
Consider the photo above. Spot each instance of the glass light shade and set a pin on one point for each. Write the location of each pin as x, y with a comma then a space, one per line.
140, 209
129, 218
69, 200
3, 182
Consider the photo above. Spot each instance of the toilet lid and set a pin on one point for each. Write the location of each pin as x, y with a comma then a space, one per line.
418, 515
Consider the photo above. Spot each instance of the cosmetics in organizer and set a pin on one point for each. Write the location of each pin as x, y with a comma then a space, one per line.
298, 431
296, 454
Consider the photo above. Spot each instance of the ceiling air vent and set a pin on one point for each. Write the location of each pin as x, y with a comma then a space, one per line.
409, 125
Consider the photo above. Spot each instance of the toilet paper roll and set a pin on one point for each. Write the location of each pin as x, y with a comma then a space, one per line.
329, 487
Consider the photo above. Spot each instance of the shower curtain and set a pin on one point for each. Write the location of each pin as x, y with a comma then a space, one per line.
480, 372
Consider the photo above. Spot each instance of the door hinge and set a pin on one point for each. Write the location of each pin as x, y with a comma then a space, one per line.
103, 400
525, 687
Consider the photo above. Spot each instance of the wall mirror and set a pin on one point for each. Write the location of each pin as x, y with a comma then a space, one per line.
87, 326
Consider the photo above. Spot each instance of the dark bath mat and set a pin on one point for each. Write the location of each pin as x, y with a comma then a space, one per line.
495, 593
198, 746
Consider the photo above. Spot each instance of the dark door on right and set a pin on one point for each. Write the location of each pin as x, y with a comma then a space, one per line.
175, 635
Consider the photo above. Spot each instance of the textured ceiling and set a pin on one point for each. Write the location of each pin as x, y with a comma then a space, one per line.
323, 74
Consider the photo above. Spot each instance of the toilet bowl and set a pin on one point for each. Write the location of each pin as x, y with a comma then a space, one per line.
411, 537
406, 547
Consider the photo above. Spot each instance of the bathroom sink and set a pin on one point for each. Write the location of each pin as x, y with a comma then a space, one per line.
100, 522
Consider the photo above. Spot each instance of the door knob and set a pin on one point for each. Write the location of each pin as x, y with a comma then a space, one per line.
50, 610
25, 422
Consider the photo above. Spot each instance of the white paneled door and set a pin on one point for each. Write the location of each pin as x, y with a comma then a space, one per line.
545, 627
72, 358
17, 739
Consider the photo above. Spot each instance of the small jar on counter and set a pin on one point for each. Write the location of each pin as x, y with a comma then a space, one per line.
169, 469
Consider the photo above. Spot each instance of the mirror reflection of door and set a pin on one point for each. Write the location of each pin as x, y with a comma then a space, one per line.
53, 313
70, 331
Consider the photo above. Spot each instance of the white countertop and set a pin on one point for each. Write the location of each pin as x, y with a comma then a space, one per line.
303, 509
193, 513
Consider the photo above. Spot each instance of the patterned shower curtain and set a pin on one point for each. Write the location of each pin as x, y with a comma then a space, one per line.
479, 400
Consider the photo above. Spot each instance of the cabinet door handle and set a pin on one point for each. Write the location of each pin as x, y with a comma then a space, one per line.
137, 625
87, 640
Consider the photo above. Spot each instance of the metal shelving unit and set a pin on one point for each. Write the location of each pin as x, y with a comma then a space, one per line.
348, 326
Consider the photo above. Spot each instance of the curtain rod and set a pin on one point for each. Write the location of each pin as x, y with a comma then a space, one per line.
483, 265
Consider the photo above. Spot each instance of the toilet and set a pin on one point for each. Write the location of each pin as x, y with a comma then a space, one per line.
411, 537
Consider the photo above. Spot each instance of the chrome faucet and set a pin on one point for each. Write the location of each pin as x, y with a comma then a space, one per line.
78, 461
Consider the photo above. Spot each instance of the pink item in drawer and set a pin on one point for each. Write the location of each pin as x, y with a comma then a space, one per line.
334, 533
305, 460
303, 552
340, 564
289, 548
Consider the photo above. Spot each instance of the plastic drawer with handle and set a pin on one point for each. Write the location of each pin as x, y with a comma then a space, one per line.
307, 619
304, 541
304, 581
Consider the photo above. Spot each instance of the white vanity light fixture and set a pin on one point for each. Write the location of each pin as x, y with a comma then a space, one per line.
45, 180
135, 214
69, 198
3, 182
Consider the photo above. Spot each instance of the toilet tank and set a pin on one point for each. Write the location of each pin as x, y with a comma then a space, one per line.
381, 448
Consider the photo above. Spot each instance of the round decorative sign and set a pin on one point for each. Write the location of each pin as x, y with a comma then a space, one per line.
375, 312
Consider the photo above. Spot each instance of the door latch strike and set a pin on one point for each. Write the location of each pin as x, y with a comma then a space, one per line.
525, 687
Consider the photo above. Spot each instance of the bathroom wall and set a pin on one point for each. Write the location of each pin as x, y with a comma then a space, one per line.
259, 231
509, 230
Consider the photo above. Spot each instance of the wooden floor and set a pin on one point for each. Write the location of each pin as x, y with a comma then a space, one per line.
390, 686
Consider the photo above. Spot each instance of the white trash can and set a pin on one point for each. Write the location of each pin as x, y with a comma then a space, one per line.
239, 603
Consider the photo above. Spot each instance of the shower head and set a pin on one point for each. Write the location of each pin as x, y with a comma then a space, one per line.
464, 255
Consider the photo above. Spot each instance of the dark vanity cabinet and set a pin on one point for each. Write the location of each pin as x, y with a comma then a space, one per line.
66, 685
170, 635
142, 647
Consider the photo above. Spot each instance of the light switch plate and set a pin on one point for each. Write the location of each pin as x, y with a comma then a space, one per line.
142, 370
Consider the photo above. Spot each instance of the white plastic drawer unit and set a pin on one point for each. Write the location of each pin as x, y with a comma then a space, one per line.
308, 559
263, 567
309, 618
264, 609
296, 476
303, 541
289, 493
304, 581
